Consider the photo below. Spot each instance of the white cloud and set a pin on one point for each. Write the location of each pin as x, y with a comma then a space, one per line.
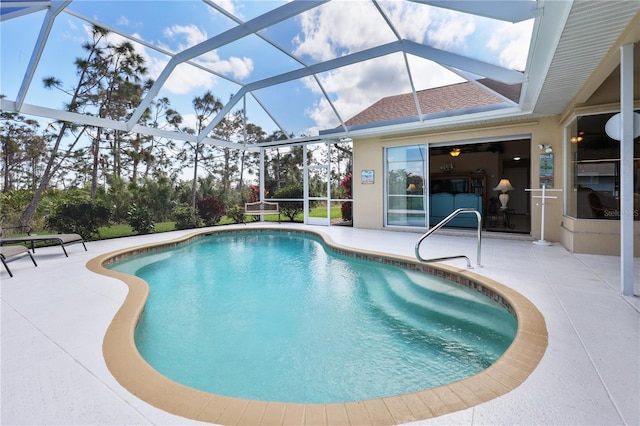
450, 30
358, 87
427, 74
331, 30
189, 120
238, 67
512, 42
187, 36
230, 6
72, 25
186, 78
411, 19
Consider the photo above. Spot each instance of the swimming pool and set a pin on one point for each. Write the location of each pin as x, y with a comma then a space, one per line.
276, 316
135, 374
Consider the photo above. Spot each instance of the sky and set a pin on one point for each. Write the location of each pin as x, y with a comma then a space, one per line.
300, 106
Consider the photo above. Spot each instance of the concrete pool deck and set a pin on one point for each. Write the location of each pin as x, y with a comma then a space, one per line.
54, 318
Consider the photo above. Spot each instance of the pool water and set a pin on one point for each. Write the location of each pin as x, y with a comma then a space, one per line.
275, 316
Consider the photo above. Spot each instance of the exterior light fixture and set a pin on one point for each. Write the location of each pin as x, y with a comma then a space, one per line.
547, 148
455, 152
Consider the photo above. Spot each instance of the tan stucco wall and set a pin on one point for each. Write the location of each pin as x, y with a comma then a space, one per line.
595, 236
368, 154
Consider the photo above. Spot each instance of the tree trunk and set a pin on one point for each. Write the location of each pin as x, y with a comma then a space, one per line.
194, 185
243, 158
6, 186
27, 215
116, 154
95, 150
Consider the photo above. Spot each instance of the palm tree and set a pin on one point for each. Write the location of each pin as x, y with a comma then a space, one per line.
205, 107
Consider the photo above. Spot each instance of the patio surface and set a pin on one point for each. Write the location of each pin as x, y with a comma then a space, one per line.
54, 317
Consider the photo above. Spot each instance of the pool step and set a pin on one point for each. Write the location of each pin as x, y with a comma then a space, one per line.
438, 316
451, 300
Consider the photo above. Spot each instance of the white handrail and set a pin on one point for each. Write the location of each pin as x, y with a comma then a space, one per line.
442, 223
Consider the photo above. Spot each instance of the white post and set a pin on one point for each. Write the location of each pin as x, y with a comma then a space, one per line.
305, 184
544, 196
626, 169
542, 241
261, 179
261, 175
328, 182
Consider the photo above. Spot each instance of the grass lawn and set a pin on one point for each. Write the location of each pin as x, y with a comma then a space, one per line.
124, 230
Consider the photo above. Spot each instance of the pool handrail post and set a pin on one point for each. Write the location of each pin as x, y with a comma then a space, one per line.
442, 223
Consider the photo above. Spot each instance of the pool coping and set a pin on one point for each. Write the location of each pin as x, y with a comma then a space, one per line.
131, 370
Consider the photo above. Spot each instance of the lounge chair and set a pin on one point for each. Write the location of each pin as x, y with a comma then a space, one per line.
12, 251
61, 239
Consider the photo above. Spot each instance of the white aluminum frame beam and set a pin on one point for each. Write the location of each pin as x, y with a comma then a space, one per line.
45, 30
268, 19
449, 60
502, 10
21, 9
474, 66
285, 52
91, 120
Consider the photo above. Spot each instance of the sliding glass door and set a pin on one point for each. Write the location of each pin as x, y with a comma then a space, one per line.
405, 170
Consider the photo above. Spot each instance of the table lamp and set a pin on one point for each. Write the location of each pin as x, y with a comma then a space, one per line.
504, 186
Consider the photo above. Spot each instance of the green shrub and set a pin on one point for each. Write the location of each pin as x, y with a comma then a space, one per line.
186, 217
236, 214
82, 217
211, 209
119, 197
290, 209
13, 203
140, 219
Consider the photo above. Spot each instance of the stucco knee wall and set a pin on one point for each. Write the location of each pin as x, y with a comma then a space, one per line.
596, 236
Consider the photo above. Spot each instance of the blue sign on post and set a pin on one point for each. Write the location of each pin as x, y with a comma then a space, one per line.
546, 170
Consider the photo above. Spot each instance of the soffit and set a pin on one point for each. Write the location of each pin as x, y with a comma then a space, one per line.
592, 29
609, 91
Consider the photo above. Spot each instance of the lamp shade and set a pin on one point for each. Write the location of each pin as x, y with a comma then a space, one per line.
504, 186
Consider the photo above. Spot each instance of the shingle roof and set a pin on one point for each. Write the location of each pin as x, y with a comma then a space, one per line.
461, 96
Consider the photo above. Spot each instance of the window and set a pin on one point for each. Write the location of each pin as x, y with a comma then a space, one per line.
594, 170
404, 186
